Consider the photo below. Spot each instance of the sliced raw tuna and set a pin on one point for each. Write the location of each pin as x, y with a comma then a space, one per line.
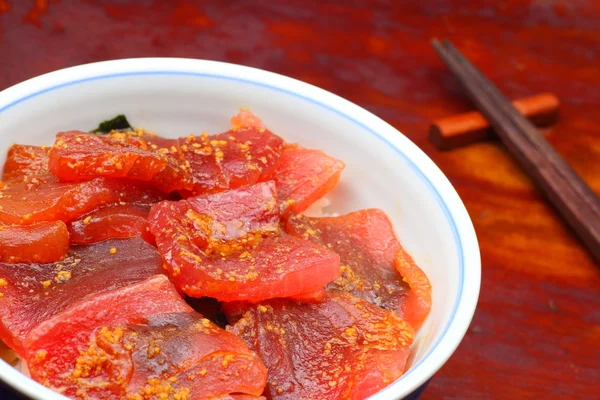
241, 397
113, 221
31, 193
228, 246
341, 348
82, 352
23, 160
245, 119
32, 293
374, 265
234, 220
43, 242
229, 160
214, 363
47, 199
82, 156
304, 176
280, 266
191, 165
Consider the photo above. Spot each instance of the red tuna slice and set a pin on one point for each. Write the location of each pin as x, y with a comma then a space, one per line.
23, 160
113, 221
236, 219
374, 264
47, 199
43, 242
280, 266
314, 296
304, 176
341, 348
80, 352
214, 363
228, 246
231, 159
82, 156
241, 397
32, 293
32, 194
245, 119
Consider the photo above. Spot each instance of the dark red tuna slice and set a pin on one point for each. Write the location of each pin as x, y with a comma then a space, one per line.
32, 293
187, 354
341, 348
228, 246
43, 242
236, 219
304, 176
112, 221
46, 199
245, 119
82, 156
241, 397
374, 265
231, 159
279, 266
31, 193
24, 160
81, 351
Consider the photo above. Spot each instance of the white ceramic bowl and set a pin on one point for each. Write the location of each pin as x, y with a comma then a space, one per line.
176, 97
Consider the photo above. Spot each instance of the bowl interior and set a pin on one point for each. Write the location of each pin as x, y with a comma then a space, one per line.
381, 171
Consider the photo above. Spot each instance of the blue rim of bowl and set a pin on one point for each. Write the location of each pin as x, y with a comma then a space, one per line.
423, 177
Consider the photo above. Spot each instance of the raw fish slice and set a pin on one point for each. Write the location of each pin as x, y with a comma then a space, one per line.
341, 348
231, 159
187, 354
44, 242
32, 293
192, 165
374, 265
313, 296
82, 156
23, 160
113, 221
228, 246
82, 351
245, 119
304, 176
50, 200
32, 194
417, 303
279, 266
236, 219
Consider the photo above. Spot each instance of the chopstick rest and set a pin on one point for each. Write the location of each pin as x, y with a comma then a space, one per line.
463, 129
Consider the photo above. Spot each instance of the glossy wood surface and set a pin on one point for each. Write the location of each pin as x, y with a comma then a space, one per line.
536, 333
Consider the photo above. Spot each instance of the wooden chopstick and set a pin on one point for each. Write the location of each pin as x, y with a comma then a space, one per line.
571, 196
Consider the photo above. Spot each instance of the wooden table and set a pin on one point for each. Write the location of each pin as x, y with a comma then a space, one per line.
536, 333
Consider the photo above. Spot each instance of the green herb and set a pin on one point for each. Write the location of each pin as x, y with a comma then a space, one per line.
118, 123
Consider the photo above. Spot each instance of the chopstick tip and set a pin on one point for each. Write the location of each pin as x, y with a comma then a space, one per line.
435, 42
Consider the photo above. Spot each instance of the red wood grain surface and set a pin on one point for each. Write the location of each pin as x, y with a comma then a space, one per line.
536, 333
